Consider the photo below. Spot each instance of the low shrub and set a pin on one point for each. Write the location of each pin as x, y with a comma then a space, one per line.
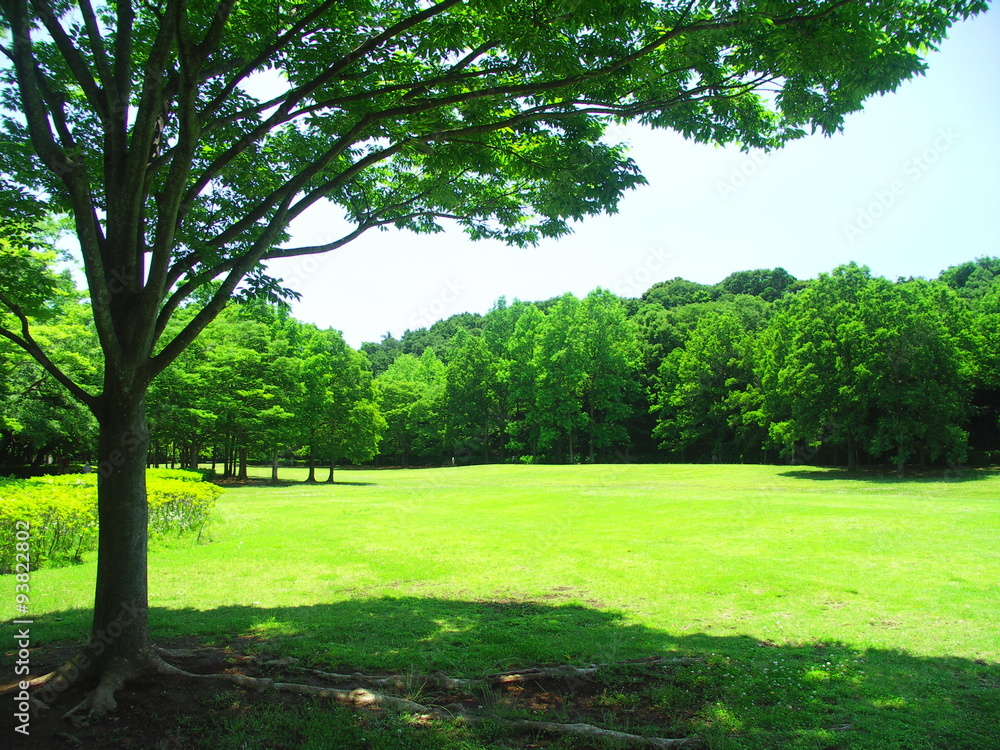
61, 512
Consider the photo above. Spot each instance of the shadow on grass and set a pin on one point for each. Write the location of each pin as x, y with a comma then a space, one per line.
887, 476
816, 694
269, 483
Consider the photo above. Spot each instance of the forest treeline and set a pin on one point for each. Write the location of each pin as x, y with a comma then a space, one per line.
848, 368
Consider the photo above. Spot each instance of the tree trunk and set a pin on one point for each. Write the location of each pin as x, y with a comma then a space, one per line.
852, 453
333, 461
243, 463
274, 465
119, 645
312, 467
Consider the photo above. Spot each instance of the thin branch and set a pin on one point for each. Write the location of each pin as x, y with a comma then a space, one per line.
289, 37
290, 188
97, 48
76, 62
215, 31
316, 249
202, 318
28, 344
298, 94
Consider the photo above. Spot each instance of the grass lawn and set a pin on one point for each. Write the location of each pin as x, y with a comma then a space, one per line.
831, 612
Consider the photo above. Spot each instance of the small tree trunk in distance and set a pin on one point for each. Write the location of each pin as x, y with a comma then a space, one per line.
274, 465
332, 462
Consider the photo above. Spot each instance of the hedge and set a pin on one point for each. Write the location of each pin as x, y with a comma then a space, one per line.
62, 513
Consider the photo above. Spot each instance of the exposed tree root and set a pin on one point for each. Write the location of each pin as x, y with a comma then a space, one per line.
444, 682
362, 698
112, 677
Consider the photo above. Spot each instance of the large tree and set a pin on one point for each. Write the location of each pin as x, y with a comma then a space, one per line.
144, 122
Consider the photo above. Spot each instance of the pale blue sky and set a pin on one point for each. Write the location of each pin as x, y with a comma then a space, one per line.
911, 187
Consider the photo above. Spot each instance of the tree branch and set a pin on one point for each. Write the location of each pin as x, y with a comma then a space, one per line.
77, 64
97, 48
28, 344
291, 36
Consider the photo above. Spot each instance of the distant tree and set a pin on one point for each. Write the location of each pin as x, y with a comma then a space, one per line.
471, 396
382, 354
924, 362
861, 362
410, 396
699, 393
519, 372
678, 292
973, 278
560, 377
767, 283
351, 425
611, 391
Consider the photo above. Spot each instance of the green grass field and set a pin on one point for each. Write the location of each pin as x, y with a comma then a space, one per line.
832, 612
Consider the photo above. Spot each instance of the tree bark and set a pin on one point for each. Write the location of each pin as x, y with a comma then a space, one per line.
119, 645
274, 465
243, 463
333, 461
312, 467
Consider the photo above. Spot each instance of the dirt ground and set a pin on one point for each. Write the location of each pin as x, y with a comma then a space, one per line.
150, 711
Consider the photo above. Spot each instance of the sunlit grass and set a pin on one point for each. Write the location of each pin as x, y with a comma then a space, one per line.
822, 601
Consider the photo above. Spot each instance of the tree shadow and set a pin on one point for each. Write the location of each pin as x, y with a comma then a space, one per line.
264, 483
813, 694
886, 476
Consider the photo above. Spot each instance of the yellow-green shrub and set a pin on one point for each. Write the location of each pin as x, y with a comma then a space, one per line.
62, 512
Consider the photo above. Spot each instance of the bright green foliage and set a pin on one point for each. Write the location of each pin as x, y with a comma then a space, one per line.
610, 347
259, 383
697, 396
861, 362
344, 421
471, 396
519, 373
38, 417
560, 375
972, 279
987, 327
137, 120
410, 395
677, 292
767, 283
61, 512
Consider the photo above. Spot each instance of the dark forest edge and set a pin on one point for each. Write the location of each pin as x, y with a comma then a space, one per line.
846, 369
